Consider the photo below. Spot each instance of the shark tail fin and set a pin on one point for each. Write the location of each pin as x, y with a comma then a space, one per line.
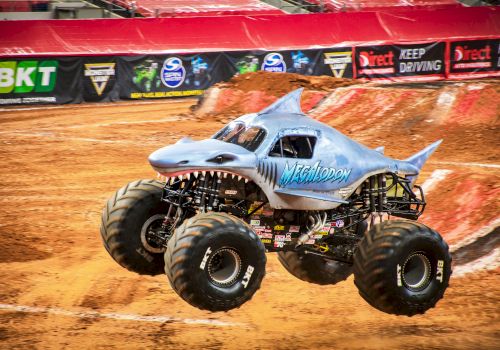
419, 158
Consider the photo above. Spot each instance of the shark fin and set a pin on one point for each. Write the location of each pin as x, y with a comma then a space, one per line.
185, 140
418, 159
290, 103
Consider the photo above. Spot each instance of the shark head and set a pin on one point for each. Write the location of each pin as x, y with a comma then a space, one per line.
187, 156
235, 149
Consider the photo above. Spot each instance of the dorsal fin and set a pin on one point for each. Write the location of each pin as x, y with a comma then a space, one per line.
290, 103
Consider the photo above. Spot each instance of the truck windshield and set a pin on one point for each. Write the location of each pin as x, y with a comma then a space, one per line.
246, 137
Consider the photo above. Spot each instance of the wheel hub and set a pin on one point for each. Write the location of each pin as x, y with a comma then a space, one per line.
416, 272
224, 267
153, 232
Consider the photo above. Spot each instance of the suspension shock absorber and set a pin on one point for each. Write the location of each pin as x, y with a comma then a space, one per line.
198, 190
217, 189
372, 199
204, 188
366, 193
211, 197
381, 195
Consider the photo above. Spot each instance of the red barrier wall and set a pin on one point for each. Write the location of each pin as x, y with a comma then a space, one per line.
230, 33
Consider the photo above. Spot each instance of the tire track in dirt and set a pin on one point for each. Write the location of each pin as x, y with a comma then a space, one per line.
114, 316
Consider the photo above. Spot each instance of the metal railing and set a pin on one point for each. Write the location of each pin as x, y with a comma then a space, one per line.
123, 8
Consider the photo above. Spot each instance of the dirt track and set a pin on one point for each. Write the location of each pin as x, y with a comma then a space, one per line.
60, 164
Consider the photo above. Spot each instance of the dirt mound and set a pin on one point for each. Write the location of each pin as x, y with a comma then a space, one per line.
464, 114
279, 84
251, 92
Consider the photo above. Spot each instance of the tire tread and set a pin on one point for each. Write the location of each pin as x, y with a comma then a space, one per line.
370, 270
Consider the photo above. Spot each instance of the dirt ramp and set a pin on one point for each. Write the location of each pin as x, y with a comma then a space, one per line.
464, 114
251, 92
464, 206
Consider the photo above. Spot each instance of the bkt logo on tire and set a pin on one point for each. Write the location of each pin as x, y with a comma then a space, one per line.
273, 62
173, 72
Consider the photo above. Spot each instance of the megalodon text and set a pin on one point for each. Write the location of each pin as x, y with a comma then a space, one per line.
304, 174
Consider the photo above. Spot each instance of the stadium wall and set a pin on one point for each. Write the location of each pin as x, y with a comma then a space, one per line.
107, 60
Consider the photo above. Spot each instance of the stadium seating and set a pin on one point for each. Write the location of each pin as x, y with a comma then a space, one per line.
23, 5
169, 8
370, 5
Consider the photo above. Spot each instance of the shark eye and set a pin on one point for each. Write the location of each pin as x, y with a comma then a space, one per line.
220, 159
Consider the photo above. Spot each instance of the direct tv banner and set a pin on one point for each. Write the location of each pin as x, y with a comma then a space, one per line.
40, 80
170, 76
388, 61
475, 56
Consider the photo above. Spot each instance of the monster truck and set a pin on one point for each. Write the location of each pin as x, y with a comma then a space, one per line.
279, 181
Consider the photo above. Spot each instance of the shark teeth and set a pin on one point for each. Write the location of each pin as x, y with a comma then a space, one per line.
188, 175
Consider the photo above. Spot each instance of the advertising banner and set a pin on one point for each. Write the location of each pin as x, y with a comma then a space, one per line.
334, 62
99, 79
189, 75
339, 60
44, 80
110, 78
476, 56
170, 76
389, 61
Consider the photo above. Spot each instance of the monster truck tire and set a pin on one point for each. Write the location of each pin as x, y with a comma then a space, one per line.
127, 216
313, 268
215, 261
402, 267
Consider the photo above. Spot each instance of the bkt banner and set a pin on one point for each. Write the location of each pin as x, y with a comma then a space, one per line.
39, 81
386, 61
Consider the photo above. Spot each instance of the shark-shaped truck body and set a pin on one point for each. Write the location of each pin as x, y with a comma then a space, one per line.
298, 162
278, 180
